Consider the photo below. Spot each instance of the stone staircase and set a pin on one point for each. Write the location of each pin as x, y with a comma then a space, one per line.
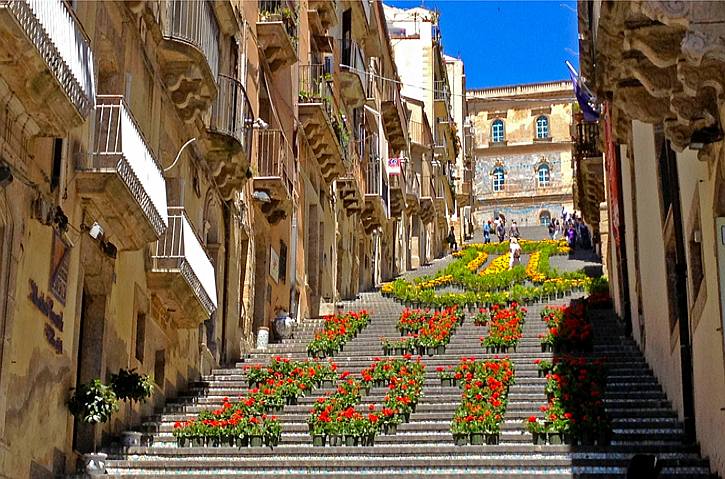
642, 417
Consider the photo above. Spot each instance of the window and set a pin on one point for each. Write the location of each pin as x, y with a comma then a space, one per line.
282, 261
497, 131
542, 127
499, 178
545, 218
160, 367
544, 175
140, 336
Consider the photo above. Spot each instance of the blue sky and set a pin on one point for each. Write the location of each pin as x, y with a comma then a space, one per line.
507, 42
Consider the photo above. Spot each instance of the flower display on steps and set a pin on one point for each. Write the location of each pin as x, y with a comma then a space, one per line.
496, 283
498, 265
505, 326
485, 387
336, 418
424, 331
249, 420
575, 410
338, 330
567, 328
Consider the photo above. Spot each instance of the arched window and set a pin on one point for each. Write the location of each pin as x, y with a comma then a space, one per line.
544, 175
542, 127
499, 178
497, 131
545, 218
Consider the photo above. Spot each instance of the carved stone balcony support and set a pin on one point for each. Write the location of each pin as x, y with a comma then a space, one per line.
315, 109
322, 15
352, 74
123, 184
412, 193
181, 273
47, 62
394, 117
397, 194
189, 55
277, 33
229, 136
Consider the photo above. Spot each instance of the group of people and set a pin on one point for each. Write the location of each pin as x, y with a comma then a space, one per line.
497, 226
572, 228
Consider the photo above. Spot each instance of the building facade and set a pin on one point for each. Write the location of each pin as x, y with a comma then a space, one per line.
176, 175
425, 85
657, 196
522, 151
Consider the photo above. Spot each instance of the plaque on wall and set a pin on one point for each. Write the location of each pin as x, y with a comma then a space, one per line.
59, 261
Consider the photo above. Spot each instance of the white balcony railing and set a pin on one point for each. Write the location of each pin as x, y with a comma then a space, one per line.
120, 145
56, 33
179, 249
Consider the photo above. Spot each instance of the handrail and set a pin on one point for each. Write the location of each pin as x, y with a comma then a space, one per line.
314, 86
280, 11
274, 156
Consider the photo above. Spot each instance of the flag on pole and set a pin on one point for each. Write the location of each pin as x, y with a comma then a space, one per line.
584, 96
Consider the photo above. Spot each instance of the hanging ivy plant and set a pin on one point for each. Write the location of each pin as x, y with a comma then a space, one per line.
93, 402
131, 385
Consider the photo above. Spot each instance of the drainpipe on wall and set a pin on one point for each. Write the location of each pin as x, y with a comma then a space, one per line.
294, 299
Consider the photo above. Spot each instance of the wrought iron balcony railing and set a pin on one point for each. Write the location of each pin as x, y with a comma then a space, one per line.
193, 22
280, 11
231, 113
587, 140
60, 40
119, 145
315, 86
180, 250
274, 156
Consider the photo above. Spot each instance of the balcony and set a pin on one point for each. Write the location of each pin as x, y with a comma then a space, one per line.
229, 136
427, 203
274, 174
442, 98
376, 190
352, 74
586, 142
412, 192
419, 134
397, 193
349, 186
277, 33
189, 55
393, 113
315, 110
322, 15
47, 62
122, 182
181, 273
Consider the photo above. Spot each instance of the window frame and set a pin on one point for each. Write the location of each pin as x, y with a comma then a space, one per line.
498, 182
545, 128
539, 170
494, 124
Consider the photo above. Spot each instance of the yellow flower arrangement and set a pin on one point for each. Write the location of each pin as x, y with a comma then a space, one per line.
435, 282
498, 265
476, 263
532, 269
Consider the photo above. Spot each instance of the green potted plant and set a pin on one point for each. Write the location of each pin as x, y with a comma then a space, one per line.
93, 402
128, 385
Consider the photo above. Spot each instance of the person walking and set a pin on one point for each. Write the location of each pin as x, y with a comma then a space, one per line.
452, 240
501, 232
571, 236
487, 232
514, 253
552, 230
514, 230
